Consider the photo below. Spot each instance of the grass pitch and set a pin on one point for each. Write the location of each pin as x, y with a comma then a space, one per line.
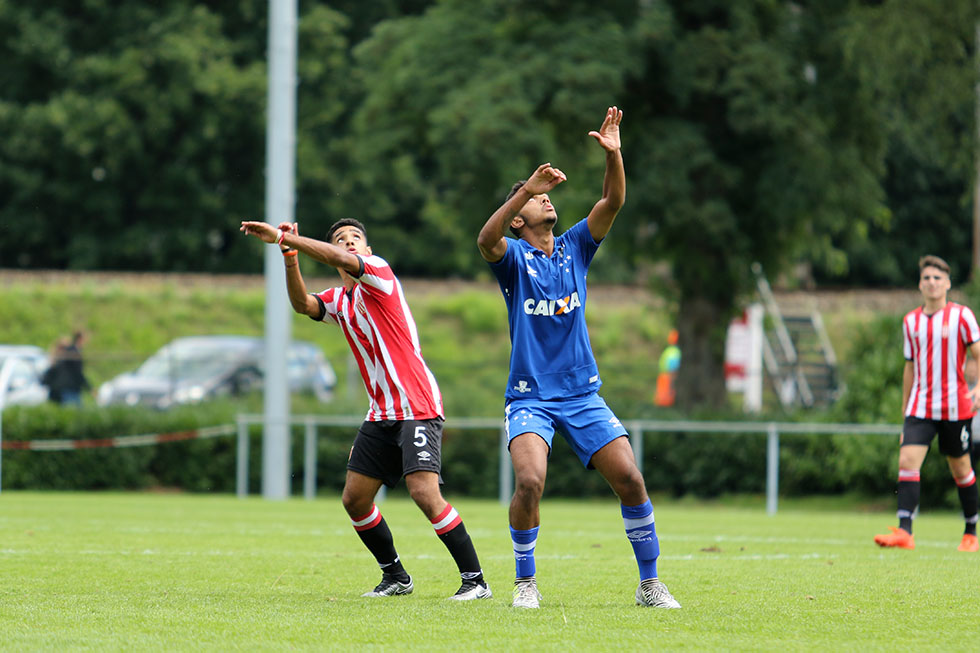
146, 572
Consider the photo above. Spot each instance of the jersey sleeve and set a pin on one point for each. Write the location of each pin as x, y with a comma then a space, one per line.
377, 277
969, 330
906, 338
580, 239
504, 269
330, 302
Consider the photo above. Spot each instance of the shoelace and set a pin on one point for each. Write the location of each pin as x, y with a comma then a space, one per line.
655, 591
528, 590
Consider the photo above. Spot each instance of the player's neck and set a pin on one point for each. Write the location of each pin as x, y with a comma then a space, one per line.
348, 280
545, 241
933, 306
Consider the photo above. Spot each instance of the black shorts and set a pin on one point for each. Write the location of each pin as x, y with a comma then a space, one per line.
389, 449
954, 436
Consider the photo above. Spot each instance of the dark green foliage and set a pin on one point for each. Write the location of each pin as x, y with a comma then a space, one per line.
873, 374
840, 135
196, 465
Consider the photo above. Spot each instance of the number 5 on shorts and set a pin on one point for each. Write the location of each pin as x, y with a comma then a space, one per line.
420, 438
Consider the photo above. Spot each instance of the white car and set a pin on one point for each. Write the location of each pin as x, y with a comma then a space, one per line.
197, 368
27, 364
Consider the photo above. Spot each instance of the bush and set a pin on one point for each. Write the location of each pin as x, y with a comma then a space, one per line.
176, 464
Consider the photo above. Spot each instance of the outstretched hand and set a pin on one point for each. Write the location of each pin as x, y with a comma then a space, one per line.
544, 179
264, 232
608, 134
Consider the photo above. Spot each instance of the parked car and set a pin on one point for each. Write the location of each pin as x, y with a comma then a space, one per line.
28, 364
198, 368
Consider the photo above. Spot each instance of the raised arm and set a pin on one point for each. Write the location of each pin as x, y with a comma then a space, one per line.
491, 239
604, 212
316, 249
287, 235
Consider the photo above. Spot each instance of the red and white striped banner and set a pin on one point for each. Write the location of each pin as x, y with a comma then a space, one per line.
121, 441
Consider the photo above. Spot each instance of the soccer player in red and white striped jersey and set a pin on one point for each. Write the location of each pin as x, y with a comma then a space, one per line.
937, 400
402, 432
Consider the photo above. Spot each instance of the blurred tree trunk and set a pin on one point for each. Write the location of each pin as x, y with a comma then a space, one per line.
701, 338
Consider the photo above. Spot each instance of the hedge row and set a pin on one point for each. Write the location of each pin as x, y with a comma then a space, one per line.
678, 464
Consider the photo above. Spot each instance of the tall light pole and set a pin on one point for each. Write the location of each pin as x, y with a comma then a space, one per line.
976, 165
280, 148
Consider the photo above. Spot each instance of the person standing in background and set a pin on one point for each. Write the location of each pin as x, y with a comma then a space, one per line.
670, 362
937, 402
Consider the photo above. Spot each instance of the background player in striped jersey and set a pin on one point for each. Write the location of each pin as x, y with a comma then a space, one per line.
554, 381
937, 400
402, 432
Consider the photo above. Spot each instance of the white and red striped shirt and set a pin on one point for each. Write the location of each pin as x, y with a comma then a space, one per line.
382, 335
936, 346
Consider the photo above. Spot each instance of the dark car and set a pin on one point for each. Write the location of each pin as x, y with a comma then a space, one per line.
197, 368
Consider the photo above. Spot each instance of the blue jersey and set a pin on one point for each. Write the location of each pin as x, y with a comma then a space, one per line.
551, 356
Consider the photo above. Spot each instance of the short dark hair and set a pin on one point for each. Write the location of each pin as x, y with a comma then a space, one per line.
513, 191
516, 187
345, 222
931, 261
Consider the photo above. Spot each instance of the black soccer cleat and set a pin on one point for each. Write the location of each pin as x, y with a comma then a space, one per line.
391, 586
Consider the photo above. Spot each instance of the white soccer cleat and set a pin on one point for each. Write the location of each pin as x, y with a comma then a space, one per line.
526, 594
653, 593
471, 590
390, 587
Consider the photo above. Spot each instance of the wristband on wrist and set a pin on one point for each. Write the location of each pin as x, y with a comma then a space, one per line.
280, 234
289, 253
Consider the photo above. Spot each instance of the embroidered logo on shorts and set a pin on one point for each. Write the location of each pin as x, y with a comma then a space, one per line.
522, 387
425, 456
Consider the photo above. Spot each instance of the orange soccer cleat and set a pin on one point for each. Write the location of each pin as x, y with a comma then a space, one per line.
969, 544
898, 537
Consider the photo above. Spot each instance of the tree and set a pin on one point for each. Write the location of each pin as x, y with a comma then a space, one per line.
749, 137
760, 145
922, 79
131, 133
467, 98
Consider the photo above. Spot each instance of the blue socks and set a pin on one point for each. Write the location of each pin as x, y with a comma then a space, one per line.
642, 534
640, 530
524, 542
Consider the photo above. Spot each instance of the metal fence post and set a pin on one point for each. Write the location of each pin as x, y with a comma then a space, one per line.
772, 469
241, 462
505, 474
309, 461
637, 442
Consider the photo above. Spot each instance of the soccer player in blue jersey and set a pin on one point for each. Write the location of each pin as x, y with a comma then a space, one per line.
554, 380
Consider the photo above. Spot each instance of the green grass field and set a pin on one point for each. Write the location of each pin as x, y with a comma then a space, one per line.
154, 572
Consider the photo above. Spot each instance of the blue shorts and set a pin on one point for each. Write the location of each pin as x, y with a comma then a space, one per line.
586, 423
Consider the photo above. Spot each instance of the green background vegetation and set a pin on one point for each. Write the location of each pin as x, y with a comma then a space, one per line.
831, 140
463, 329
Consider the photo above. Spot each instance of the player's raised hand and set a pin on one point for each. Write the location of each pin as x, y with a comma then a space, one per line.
264, 232
544, 179
608, 134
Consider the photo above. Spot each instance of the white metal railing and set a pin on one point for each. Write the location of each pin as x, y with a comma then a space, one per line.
6, 370
636, 427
